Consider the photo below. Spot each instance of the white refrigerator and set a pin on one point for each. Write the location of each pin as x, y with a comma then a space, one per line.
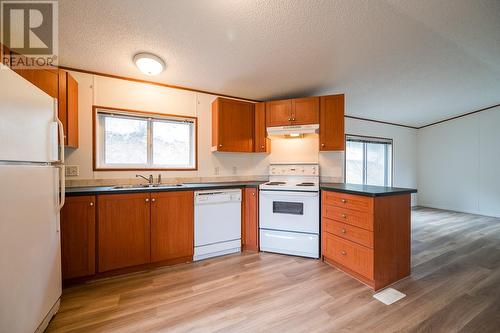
31, 196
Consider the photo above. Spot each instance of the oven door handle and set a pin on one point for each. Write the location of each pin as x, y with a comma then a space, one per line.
288, 193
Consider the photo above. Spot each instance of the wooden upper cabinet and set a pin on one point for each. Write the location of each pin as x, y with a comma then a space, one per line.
262, 143
250, 227
46, 79
331, 124
232, 125
124, 230
68, 107
78, 234
305, 111
279, 113
298, 111
172, 225
58, 84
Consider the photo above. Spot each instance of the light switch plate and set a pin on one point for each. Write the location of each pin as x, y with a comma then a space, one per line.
72, 170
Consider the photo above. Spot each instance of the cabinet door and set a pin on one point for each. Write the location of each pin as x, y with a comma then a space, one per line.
305, 111
72, 111
250, 238
68, 107
233, 125
46, 80
78, 237
124, 230
331, 124
172, 225
279, 113
261, 141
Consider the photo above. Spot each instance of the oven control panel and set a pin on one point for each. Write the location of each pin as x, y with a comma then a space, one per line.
294, 170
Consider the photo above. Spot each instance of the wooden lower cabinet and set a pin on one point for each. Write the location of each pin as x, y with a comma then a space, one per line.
353, 256
78, 235
172, 225
367, 237
124, 229
250, 222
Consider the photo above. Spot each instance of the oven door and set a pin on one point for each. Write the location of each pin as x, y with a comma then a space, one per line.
289, 211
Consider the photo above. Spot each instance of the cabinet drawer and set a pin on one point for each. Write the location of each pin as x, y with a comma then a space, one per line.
349, 232
349, 216
351, 255
349, 201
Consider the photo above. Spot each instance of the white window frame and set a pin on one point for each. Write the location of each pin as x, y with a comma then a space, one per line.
100, 113
388, 158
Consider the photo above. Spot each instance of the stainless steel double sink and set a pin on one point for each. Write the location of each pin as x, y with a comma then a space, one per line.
141, 186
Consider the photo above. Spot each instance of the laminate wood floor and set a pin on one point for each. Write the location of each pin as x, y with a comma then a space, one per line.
454, 287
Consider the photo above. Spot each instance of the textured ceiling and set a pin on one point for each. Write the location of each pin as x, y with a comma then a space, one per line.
403, 61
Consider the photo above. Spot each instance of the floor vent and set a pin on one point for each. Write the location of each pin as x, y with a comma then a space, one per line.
389, 296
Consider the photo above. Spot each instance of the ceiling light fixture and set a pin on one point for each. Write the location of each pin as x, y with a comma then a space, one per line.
149, 63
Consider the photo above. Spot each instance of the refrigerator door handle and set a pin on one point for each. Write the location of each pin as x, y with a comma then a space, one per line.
61, 134
62, 187
62, 172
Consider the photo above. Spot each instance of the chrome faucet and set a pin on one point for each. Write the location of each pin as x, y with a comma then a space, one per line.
150, 179
159, 179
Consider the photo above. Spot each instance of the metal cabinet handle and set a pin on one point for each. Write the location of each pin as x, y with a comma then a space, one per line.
322, 145
343, 253
344, 201
147, 200
262, 147
253, 193
293, 119
220, 145
344, 216
289, 119
344, 231
153, 200
91, 204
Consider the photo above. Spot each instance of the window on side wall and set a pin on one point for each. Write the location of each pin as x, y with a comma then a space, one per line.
138, 141
368, 160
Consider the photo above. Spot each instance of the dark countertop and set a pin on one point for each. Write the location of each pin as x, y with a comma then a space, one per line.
367, 190
90, 190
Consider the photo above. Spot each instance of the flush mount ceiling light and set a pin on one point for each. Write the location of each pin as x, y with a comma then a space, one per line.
149, 63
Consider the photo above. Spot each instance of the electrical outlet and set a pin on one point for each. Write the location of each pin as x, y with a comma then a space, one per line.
72, 170
216, 171
235, 170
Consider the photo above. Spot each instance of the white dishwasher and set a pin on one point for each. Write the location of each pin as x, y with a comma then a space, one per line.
217, 223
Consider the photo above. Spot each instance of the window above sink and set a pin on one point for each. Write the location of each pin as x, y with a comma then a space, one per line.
133, 140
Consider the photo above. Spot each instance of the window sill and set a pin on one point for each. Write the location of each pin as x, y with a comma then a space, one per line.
144, 169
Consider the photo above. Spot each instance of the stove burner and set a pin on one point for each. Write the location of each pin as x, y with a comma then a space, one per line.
275, 183
305, 184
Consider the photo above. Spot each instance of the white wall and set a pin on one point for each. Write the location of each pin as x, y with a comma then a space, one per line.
108, 92
458, 164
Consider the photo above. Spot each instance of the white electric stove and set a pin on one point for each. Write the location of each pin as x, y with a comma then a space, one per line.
289, 210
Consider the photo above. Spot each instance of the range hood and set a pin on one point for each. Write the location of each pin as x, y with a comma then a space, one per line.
292, 131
